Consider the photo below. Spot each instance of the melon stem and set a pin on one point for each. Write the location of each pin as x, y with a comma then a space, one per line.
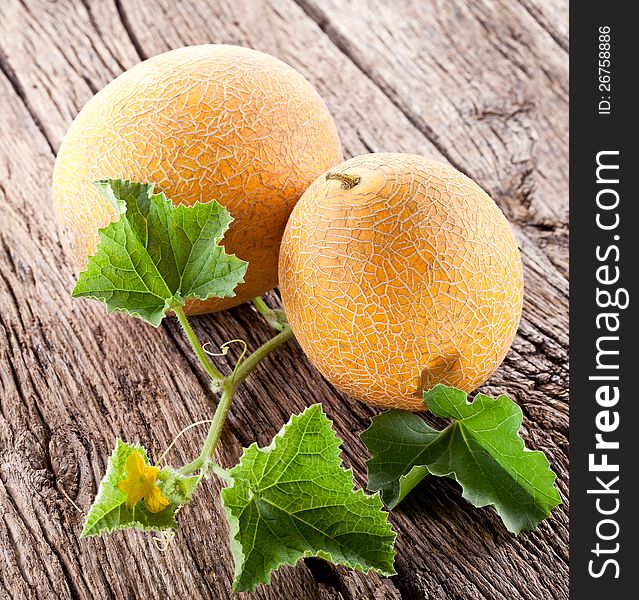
348, 181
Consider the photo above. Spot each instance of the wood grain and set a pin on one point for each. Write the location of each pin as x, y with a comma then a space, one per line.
482, 85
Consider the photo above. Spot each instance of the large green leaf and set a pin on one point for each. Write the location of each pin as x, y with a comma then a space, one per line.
109, 511
156, 255
481, 449
293, 499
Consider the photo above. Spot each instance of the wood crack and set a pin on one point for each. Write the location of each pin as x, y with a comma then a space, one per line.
16, 547
324, 573
11, 294
69, 579
341, 43
14, 376
126, 23
18, 514
9, 73
94, 24
535, 16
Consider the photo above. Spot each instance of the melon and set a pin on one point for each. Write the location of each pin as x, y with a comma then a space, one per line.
201, 123
397, 273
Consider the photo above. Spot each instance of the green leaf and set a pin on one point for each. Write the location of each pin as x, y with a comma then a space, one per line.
109, 512
294, 499
156, 255
481, 449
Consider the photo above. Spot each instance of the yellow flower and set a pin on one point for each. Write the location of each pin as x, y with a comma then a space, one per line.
141, 483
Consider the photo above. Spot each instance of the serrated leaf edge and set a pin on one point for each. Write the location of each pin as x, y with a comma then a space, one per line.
235, 523
117, 214
130, 524
133, 524
554, 500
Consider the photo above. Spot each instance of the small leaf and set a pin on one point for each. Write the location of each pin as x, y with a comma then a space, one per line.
294, 499
481, 449
109, 511
156, 255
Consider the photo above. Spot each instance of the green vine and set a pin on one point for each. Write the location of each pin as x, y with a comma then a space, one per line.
228, 386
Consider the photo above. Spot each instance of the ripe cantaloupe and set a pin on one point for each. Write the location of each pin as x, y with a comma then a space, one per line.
202, 122
398, 273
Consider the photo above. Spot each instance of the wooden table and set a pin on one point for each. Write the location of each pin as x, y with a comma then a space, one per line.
481, 85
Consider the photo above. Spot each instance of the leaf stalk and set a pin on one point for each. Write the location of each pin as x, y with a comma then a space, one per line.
207, 365
274, 317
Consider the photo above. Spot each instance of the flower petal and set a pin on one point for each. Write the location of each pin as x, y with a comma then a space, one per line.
134, 489
155, 500
135, 464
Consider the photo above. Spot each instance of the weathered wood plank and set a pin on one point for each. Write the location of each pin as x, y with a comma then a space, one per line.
551, 16
75, 379
71, 369
482, 81
64, 567
536, 370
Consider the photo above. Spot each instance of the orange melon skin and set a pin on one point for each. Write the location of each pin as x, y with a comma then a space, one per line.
202, 122
409, 279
